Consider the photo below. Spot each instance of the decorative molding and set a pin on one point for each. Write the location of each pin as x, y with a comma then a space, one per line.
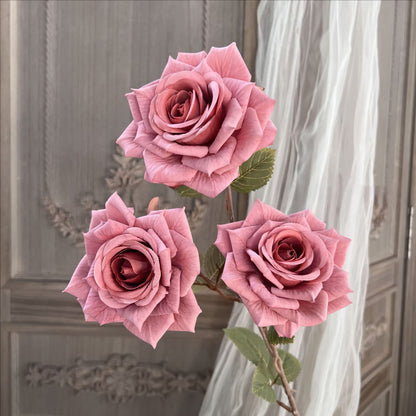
124, 179
380, 208
121, 378
372, 333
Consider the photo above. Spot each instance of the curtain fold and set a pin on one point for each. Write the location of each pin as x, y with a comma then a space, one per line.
319, 60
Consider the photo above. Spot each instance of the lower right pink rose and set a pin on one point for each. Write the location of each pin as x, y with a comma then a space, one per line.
287, 269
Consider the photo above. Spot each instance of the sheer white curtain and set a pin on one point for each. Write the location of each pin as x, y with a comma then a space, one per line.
319, 61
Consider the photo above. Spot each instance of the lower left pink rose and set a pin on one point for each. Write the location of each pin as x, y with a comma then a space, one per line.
138, 271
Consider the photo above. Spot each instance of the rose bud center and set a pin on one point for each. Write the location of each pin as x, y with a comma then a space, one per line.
288, 249
131, 269
178, 106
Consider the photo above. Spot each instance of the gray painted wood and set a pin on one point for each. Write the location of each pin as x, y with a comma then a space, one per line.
65, 68
406, 398
380, 351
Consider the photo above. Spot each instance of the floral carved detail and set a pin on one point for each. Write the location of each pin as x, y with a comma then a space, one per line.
372, 333
125, 179
64, 222
127, 176
379, 213
121, 378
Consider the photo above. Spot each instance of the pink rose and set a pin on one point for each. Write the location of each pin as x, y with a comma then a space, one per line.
287, 269
199, 122
138, 271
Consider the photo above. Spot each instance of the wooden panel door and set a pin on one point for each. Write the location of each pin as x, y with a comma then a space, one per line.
383, 318
65, 66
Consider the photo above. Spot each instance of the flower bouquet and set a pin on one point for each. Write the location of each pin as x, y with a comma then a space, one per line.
204, 128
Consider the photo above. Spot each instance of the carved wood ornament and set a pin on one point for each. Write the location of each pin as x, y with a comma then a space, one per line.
121, 378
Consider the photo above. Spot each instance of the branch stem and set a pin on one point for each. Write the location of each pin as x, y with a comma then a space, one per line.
211, 286
278, 365
229, 204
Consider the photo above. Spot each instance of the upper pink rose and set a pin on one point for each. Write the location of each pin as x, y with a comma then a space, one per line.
199, 122
287, 269
138, 271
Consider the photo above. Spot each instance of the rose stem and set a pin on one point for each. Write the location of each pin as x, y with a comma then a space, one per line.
229, 204
215, 287
277, 361
285, 406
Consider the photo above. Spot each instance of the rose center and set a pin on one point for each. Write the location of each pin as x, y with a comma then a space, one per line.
131, 269
178, 106
288, 249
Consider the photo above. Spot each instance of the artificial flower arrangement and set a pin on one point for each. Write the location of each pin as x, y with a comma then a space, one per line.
204, 128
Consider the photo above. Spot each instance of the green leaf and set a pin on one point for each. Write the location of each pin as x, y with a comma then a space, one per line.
184, 191
255, 172
291, 366
253, 348
213, 263
262, 388
275, 339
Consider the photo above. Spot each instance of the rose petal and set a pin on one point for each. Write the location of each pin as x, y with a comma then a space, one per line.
337, 285
263, 269
249, 137
179, 149
187, 260
228, 62
212, 162
268, 298
223, 242
78, 286
144, 96
307, 291
98, 311
152, 330
238, 239
193, 59
264, 316
177, 221
117, 210
241, 90
260, 213
212, 185
134, 106
139, 314
288, 329
238, 281
185, 319
337, 304
263, 105
174, 66
342, 246
313, 313
170, 304
232, 118
167, 170
126, 141
269, 135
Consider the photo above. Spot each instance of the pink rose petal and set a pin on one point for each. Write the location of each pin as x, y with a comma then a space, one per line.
189, 310
228, 62
193, 59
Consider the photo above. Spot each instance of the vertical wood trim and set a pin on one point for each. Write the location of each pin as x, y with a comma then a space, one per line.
406, 400
249, 55
250, 35
5, 131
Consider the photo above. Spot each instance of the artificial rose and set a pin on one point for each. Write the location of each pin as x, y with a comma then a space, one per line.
287, 269
199, 122
138, 271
